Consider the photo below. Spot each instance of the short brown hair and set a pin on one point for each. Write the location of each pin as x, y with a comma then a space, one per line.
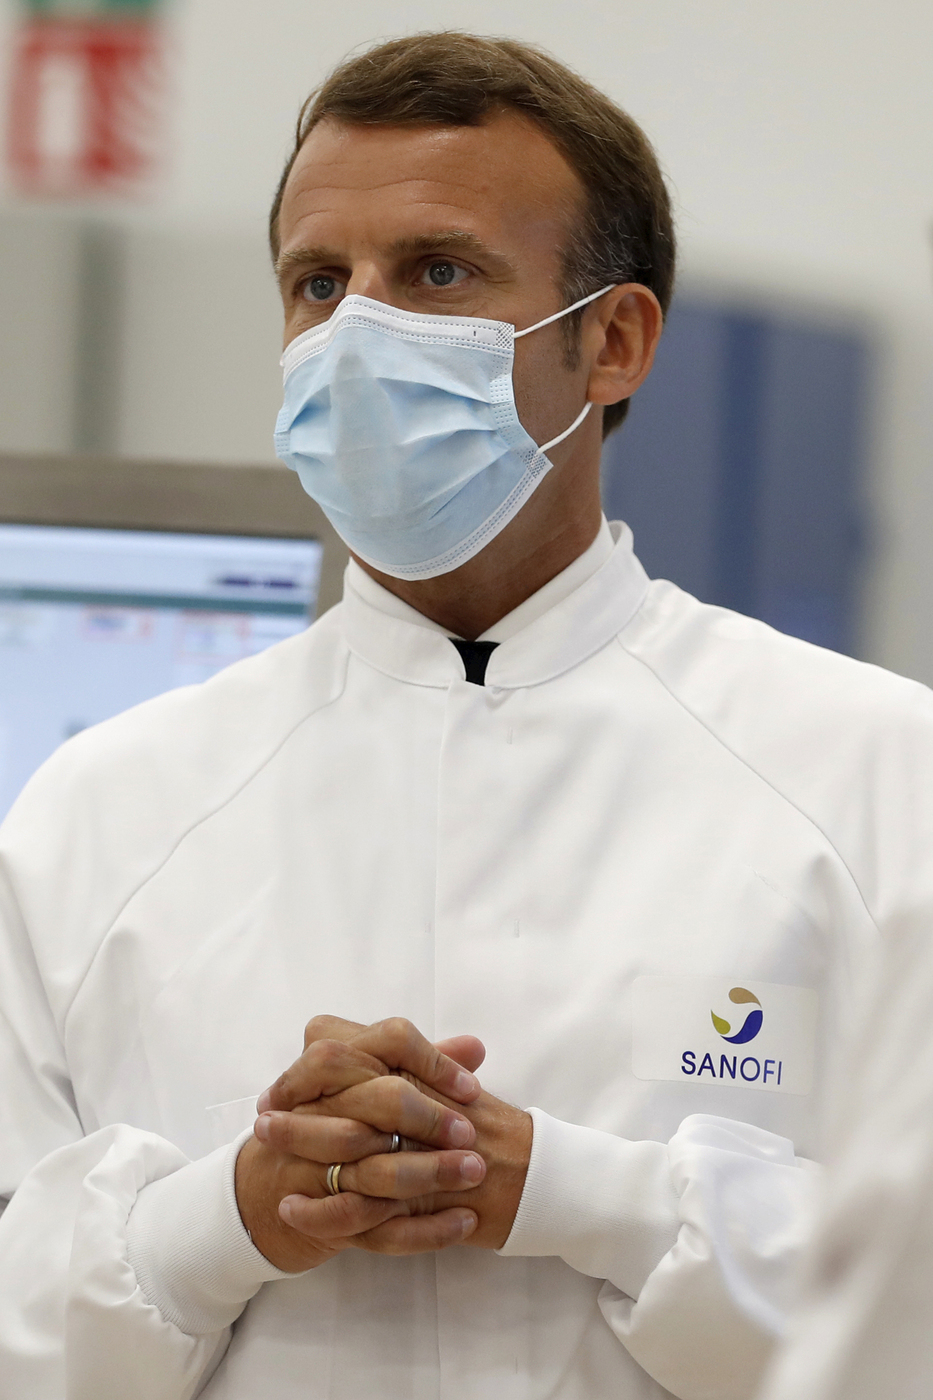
456, 79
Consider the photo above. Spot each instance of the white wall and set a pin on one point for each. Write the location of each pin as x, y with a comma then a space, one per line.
798, 139
202, 341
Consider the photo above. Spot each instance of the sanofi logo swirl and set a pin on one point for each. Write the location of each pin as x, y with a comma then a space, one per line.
750, 1070
750, 1026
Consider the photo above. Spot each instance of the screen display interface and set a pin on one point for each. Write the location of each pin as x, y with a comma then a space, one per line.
94, 621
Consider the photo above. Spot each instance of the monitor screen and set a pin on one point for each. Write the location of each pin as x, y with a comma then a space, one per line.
95, 620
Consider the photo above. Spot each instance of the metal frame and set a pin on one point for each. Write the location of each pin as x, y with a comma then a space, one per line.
190, 497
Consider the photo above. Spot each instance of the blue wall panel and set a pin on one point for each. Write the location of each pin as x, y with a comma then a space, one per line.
740, 467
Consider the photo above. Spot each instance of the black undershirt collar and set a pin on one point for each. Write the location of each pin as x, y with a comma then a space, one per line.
475, 657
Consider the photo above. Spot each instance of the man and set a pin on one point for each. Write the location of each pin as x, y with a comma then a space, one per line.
509, 797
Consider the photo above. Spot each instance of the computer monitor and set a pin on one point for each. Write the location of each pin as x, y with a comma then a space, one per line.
120, 580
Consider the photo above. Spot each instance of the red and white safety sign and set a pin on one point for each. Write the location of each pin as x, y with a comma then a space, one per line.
86, 100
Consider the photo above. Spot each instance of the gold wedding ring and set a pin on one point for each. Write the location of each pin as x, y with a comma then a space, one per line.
332, 1179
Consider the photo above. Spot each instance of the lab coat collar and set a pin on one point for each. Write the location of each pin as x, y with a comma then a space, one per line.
576, 627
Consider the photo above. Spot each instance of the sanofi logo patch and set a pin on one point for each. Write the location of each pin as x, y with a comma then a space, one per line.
707, 1030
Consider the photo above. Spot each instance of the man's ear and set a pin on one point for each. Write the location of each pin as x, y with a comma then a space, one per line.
621, 340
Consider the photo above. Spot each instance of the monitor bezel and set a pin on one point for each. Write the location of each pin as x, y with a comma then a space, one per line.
201, 498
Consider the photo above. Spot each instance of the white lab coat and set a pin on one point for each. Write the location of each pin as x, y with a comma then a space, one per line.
862, 1324
649, 804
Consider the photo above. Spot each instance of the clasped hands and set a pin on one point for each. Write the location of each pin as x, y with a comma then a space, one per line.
457, 1180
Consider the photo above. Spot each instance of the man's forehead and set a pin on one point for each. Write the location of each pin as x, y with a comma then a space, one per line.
458, 178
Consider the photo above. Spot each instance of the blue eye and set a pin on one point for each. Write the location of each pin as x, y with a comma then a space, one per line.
319, 288
445, 274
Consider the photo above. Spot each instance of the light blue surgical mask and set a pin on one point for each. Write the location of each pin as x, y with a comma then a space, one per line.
404, 429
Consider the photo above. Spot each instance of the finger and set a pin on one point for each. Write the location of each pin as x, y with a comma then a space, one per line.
465, 1049
336, 1217
401, 1046
392, 1105
325, 1067
421, 1234
318, 1138
406, 1175
332, 1028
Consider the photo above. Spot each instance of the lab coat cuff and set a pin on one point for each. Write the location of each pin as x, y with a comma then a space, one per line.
189, 1249
603, 1204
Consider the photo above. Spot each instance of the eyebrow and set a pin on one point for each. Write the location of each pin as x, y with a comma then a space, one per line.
441, 241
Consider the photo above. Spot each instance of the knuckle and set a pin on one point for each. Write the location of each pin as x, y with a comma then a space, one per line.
392, 1178
283, 1088
342, 1136
347, 1209
375, 1181
434, 1236
315, 1028
443, 1170
397, 1093
338, 1212
394, 1245
438, 1118
329, 1053
351, 1213
283, 1132
416, 1177
353, 1138
400, 1034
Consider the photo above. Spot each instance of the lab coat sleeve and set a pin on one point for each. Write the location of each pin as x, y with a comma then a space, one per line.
860, 1327
74, 1322
696, 1239
189, 1250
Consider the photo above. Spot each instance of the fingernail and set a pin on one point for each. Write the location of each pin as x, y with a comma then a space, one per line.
264, 1102
461, 1133
467, 1226
263, 1127
471, 1168
465, 1083
285, 1211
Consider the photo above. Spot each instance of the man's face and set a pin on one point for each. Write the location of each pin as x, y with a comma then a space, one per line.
467, 221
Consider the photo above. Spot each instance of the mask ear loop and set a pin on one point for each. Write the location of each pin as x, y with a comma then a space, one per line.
584, 301
546, 446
